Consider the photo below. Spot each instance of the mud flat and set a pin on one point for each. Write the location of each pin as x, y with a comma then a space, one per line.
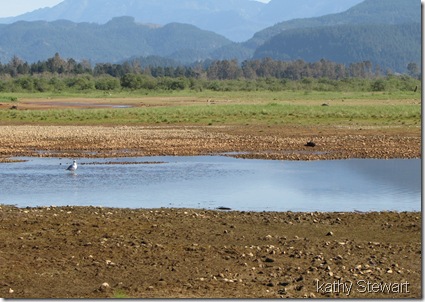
92, 252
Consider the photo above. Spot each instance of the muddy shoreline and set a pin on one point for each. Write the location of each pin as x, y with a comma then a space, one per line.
93, 252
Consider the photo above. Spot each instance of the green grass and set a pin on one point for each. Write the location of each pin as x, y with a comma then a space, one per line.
8, 98
273, 113
263, 107
119, 294
260, 95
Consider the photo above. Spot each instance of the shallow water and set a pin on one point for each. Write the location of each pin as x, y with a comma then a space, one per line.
215, 181
80, 104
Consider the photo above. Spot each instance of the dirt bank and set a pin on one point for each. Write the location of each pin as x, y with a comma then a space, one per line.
73, 252
274, 142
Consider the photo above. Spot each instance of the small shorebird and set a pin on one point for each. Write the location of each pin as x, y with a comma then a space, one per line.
72, 167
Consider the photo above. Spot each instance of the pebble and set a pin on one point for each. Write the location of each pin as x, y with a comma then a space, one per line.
104, 287
109, 262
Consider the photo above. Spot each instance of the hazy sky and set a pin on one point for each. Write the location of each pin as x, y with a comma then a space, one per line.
11, 8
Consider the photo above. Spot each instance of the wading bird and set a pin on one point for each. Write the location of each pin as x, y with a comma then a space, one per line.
72, 167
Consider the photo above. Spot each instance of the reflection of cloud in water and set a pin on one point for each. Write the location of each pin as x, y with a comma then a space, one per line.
403, 174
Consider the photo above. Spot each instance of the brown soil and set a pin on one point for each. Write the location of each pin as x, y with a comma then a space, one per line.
91, 252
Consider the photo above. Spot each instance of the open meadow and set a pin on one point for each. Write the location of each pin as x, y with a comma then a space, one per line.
219, 108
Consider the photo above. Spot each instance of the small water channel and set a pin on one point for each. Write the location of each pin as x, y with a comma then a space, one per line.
210, 182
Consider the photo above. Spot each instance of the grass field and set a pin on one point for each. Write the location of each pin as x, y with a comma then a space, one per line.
217, 108
260, 95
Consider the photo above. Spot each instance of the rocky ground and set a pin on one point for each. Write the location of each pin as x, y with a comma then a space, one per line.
278, 142
91, 252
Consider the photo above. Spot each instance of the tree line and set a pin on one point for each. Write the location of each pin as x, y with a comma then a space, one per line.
57, 74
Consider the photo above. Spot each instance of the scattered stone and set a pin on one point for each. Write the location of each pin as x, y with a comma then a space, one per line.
104, 287
198, 267
109, 262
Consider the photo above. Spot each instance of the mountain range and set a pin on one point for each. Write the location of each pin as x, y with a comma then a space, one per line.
385, 32
237, 20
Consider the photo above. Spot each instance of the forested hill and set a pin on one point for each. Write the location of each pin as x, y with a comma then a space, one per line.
389, 46
385, 32
119, 39
237, 20
367, 12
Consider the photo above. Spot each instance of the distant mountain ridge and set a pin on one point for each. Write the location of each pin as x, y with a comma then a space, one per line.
391, 47
116, 40
366, 12
384, 32
237, 20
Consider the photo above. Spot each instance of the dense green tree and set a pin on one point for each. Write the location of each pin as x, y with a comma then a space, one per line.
107, 82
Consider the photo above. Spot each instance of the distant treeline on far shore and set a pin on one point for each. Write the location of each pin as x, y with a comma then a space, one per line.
58, 74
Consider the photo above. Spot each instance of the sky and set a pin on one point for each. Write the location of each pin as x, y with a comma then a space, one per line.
17, 7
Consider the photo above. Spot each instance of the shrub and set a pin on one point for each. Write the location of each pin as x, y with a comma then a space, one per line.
378, 85
107, 83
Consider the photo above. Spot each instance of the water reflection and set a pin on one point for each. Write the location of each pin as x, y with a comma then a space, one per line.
214, 181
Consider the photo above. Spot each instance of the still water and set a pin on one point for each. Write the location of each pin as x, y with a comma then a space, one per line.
210, 182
